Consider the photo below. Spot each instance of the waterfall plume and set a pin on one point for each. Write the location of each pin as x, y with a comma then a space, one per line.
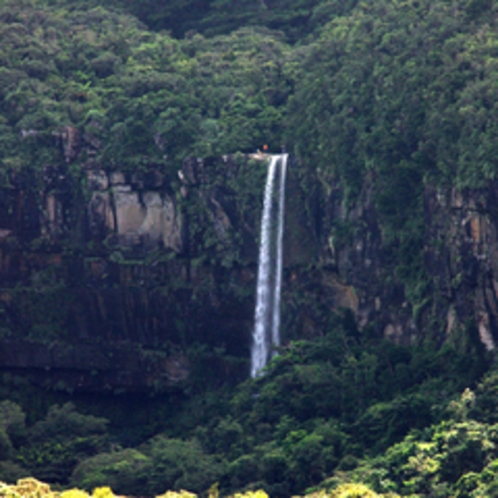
266, 334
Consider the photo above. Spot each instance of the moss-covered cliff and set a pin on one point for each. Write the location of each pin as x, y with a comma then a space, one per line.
109, 279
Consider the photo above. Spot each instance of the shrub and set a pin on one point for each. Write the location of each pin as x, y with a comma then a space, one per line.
176, 464
64, 422
121, 470
12, 420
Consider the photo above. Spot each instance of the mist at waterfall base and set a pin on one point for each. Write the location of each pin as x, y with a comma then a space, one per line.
266, 333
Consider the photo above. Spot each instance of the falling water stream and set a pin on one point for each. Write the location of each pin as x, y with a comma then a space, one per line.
266, 334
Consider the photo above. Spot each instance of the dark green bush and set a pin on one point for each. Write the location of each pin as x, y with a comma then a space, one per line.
124, 471
176, 464
62, 422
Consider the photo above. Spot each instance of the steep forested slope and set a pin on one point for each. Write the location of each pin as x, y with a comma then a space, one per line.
392, 101
405, 91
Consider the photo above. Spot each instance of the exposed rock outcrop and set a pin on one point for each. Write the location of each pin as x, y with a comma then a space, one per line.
109, 280
459, 257
133, 266
462, 256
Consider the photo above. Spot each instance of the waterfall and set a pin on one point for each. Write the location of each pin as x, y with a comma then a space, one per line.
280, 235
266, 334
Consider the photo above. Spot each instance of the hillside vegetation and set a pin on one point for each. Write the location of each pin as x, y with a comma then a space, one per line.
404, 91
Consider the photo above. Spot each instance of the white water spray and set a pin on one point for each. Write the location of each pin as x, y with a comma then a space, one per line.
266, 333
280, 235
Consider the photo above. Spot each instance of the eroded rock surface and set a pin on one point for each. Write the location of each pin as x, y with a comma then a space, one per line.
460, 260
114, 279
132, 266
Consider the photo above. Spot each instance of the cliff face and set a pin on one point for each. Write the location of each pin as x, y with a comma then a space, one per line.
117, 281
462, 258
459, 262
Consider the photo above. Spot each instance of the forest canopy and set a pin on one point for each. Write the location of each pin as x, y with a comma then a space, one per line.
139, 97
405, 89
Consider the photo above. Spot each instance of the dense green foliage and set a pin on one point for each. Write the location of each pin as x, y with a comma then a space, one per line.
323, 406
456, 457
406, 92
296, 18
139, 97
404, 88
401, 91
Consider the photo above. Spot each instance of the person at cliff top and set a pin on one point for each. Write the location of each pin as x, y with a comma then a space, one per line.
265, 148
